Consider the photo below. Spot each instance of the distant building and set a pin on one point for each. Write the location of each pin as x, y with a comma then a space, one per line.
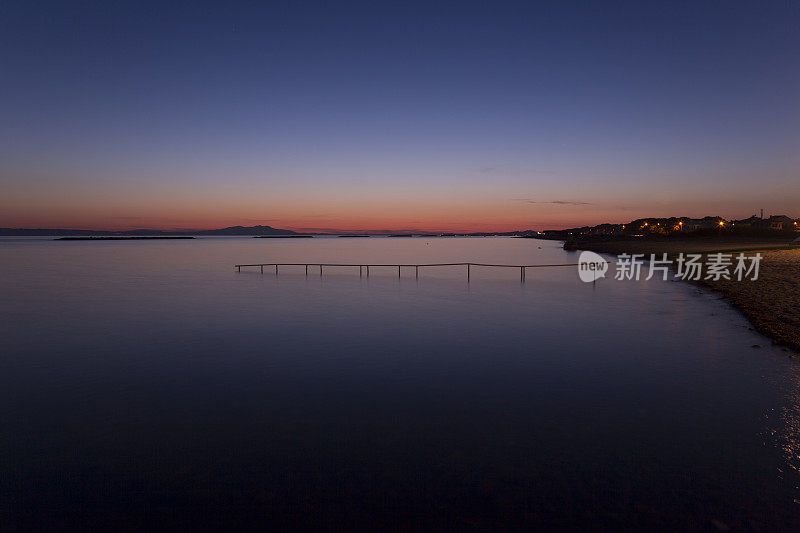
775, 222
753, 222
694, 224
780, 222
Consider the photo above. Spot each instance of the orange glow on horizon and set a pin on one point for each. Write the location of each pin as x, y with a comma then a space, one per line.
397, 210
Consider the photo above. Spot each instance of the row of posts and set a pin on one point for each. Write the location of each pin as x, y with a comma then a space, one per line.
416, 271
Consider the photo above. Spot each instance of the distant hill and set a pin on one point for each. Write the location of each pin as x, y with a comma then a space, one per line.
247, 230
232, 230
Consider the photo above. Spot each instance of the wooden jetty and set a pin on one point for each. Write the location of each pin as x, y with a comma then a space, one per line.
363, 268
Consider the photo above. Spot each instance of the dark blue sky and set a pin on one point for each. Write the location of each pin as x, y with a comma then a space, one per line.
396, 114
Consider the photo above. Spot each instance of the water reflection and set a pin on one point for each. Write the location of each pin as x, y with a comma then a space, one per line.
787, 433
151, 380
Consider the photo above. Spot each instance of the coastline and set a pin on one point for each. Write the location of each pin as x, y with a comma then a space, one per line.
771, 303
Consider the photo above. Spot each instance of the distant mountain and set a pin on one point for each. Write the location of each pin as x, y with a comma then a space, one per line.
247, 230
232, 230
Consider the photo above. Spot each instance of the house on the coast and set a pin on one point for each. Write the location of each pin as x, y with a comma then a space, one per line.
751, 222
694, 224
775, 222
780, 222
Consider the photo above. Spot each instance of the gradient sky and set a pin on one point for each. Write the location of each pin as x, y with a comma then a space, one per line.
354, 116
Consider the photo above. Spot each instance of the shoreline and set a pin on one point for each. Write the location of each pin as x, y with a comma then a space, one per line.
771, 303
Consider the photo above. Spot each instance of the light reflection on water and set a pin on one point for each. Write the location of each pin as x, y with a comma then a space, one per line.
787, 431
148, 380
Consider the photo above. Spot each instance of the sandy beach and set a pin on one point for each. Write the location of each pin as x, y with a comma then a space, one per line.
771, 303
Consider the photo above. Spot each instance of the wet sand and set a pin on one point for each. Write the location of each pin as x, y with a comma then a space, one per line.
771, 303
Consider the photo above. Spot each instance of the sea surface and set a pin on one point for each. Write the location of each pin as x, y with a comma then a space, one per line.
149, 383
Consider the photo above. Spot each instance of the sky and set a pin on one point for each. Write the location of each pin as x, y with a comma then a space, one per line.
453, 116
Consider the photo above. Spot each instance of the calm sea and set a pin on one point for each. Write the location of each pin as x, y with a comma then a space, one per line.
148, 382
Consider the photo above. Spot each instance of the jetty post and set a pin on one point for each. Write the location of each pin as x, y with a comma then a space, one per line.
523, 269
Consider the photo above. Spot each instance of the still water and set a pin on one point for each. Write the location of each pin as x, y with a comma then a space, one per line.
148, 382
